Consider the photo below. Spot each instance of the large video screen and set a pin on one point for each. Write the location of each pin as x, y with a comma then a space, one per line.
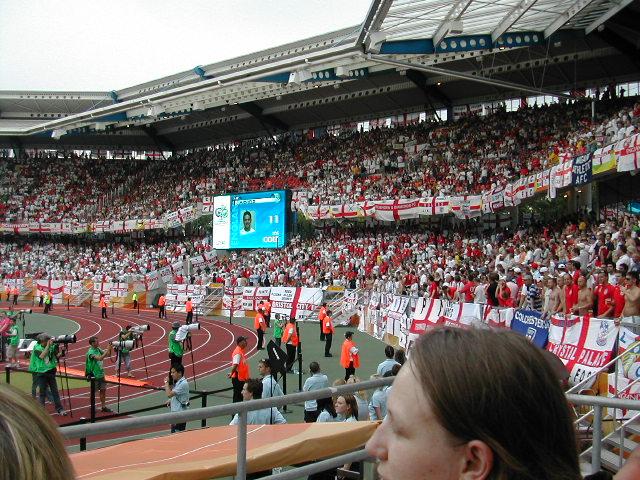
250, 220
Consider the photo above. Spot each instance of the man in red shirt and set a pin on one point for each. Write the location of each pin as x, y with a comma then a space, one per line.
466, 293
603, 296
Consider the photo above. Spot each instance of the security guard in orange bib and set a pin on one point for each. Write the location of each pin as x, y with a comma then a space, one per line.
290, 339
350, 358
103, 306
189, 309
261, 326
239, 368
267, 312
162, 301
327, 331
321, 315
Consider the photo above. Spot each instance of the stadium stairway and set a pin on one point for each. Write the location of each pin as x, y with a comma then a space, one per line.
612, 457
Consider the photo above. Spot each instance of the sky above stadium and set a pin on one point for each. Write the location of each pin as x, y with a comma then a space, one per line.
101, 45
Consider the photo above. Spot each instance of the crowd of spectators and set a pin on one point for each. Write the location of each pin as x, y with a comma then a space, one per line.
471, 155
518, 268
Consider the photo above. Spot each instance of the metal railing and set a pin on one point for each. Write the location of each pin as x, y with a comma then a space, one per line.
598, 404
117, 426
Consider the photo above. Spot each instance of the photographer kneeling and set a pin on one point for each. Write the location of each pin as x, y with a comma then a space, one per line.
94, 369
178, 395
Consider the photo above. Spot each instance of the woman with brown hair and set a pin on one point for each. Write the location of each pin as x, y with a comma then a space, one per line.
476, 404
32, 448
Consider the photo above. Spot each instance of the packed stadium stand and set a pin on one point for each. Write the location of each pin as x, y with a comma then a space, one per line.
453, 164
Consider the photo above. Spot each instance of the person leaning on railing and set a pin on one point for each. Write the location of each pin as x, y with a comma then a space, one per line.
503, 416
31, 447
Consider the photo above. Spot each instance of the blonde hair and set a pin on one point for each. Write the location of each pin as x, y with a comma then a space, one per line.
361, 393
31, 448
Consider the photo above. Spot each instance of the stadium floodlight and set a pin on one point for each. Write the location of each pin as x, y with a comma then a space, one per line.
58, 133
299, 76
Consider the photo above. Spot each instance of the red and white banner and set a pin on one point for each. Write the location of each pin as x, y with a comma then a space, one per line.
493, 201
252, 296
627, 371
345, 211
232, 302
207, 204
560, 177
394, 210
72, 287
469, 206
628, 153
298, 302
584, 344
54, 287
119, 290
435, 205
432, 312
542, 181
101, 289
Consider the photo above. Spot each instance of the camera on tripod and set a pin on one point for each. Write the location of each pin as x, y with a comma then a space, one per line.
140, 329
184, 330
124, 344
64, 339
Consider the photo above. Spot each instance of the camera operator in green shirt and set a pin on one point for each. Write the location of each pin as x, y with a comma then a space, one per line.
93, 368
43, 365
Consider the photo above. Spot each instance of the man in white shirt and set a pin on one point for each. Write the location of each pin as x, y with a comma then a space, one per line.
251, 390
270, 387
317, 381
388, 363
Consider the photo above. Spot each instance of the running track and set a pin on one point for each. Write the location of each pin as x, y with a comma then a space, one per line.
212, 348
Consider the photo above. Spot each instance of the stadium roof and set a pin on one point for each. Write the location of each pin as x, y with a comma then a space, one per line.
406, 56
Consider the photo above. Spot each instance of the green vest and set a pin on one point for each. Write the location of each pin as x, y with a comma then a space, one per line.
135, 297
93, 366
122, 334
14, 338
39, 365
175, 347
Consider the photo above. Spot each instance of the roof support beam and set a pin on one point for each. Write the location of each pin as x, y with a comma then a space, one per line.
511, 18
620, 43
622, 4
573, 10
255, 111
160, 141
375, 16
458, 8
466, 76
430, 91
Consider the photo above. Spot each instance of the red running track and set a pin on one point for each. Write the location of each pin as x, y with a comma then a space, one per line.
212, 348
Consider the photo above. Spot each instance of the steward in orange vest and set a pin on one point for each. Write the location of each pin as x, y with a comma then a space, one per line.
239, 368
189, 309
350, 358
267, 312
7, 290
15, 292
260, 325
103, 306
327, 331
162, 301
321, 315
290, 339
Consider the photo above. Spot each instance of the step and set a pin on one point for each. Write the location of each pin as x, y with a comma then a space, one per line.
614, 441
608, 460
